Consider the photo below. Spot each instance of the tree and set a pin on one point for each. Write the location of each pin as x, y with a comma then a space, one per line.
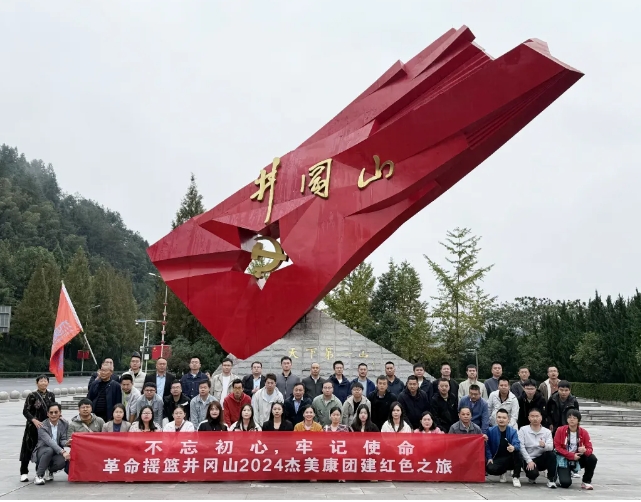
462, 306
35, 316
590, 357
192, 204
349, 303
398, 316
78, 284
181, 323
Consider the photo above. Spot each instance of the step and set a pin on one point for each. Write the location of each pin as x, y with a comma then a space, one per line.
613, 413
609, 423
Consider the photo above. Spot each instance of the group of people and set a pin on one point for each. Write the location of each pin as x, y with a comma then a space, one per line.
525, 427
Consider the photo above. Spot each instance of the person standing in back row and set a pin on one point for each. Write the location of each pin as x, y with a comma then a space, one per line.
136, 372
161, 378
446, 372
464, 387
340, 383
314, 382
221, 383
286, 380
394, 384
381, 400
190, 382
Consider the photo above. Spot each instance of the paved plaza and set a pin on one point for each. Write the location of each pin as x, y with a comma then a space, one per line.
617, 477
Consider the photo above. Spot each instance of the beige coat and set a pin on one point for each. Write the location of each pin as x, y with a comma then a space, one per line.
217, 386
109, 426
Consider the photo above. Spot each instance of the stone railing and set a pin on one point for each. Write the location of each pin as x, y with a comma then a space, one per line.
16, 395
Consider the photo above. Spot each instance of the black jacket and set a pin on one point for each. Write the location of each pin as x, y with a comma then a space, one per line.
341, 390
381, 406
313, 389
94, 375
113, 394
396, 387
248, 384
169, 405
207, 427
453, 390
414, 406
290, 410
169, 379
525, 406
445, 410
557, 411
285, 426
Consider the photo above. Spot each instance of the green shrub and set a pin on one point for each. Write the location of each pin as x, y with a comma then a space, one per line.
624, 392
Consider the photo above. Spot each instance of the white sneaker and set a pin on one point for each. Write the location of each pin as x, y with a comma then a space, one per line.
587, 486
576, 474
516, 482
551, 484
24, 478
39, 481
48, 476
503, 478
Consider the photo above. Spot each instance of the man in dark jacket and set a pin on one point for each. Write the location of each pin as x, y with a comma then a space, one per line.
175, 398
414, 402
444, 406
446, 372
293, 407
394, 384
381, 399
531, 399
161, 378
286, 379
314, 382
255, 381
342, 386
558, 406
423, 383
105, 393
192, 380
94, 375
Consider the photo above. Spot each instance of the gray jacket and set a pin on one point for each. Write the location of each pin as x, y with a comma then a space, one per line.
45, 437
459, 428
286, 384
109, 426
530, 447
157, 405
77, 425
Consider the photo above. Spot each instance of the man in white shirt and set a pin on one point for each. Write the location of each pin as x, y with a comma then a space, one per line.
263, 399
221, 382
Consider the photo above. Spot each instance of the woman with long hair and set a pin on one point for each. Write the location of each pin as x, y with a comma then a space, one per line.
215, 421
428, 424
363, 421
145, 422
246, 420
118, 423
335, 415
179, 424
35, 410
308, 424
396, 420
276, 421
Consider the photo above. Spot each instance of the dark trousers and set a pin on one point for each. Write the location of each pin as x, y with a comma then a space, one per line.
24, 466
546, 462
48, 459
500, 465
588, 463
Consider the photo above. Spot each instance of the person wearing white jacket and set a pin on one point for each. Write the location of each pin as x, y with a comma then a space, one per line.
263, 399
537, 449
504, 399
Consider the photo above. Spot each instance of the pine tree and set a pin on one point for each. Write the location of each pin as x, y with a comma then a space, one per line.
35, 316
79, 287
462, 305
349, 303
181, 323
192, 204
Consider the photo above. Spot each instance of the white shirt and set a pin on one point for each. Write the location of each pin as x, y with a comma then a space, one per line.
572, 447
185, 427
257, 383
54, 432
226, 380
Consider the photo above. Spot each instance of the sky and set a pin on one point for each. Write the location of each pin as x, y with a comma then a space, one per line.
127, 98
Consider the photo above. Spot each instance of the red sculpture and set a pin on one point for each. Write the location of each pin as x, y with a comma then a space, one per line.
412, 135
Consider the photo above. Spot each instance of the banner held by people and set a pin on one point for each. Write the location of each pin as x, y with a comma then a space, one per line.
67, 326
274, 456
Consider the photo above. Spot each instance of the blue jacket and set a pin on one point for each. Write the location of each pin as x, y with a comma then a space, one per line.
113, 395
371, 386
494, 437
341, 390
190, 383
480, 412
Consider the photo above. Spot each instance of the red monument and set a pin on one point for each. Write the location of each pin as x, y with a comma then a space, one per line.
328, 204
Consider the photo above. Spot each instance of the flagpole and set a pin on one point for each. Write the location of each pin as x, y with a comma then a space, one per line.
90, 351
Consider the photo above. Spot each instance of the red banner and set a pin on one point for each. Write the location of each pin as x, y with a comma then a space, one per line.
255, 456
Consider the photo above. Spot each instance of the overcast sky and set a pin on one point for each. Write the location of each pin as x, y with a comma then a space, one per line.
126, 98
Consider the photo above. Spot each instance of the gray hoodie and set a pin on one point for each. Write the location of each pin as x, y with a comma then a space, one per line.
530, 447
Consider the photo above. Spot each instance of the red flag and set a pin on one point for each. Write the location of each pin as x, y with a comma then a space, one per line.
67, 326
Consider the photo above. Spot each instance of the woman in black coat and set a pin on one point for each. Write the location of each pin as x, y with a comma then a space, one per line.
35, 411
276, 421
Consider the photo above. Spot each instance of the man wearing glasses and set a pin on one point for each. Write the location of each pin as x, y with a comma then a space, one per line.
49, 454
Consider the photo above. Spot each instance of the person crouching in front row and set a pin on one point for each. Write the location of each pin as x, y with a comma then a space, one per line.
49, 453
572, 443
502, 449
536, 448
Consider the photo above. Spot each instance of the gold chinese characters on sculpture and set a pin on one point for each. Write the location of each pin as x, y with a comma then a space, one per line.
378, 173
274, 258
266, 182
319, 184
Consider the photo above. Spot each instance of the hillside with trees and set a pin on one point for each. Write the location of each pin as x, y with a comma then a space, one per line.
47, 235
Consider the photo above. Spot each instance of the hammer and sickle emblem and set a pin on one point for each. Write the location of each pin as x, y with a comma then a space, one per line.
276, 257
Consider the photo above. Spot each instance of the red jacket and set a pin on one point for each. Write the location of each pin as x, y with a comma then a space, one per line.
562, 439
231, 408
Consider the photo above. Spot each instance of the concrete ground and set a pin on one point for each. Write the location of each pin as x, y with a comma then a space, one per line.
617, 448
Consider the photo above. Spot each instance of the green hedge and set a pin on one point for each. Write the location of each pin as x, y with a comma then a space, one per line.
624, 392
